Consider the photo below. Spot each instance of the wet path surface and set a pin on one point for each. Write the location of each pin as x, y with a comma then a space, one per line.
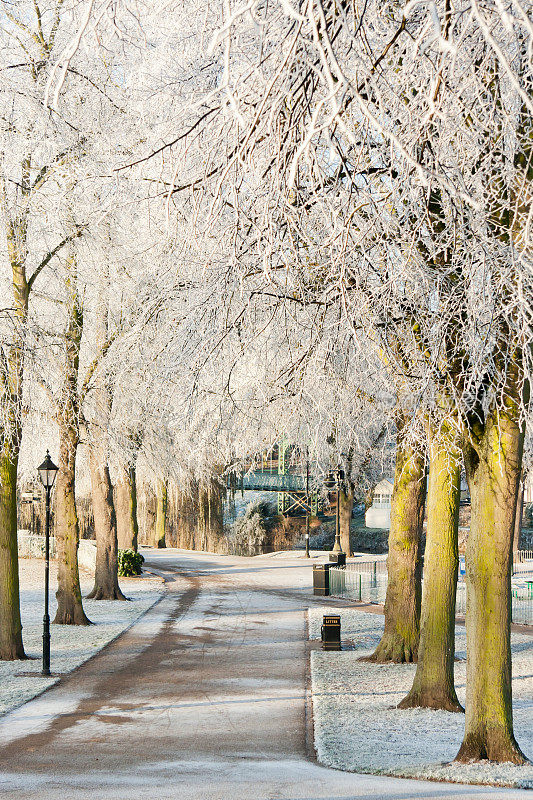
204, 697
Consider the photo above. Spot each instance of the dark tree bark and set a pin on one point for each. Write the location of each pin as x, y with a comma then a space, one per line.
106, 573
400, 639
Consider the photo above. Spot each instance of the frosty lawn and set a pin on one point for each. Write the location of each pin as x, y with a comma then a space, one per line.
71, 645
358, 728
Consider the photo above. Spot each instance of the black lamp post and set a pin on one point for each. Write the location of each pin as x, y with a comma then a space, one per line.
339, 477
47, 472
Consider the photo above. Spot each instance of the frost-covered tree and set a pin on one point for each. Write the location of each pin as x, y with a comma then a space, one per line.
37, 148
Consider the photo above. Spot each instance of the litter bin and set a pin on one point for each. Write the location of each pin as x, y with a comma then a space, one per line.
321, 579
331, 632
337, 559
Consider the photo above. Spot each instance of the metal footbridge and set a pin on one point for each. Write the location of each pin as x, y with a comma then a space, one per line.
271, 482
294, 496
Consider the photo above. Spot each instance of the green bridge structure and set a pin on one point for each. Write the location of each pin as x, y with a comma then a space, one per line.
294, 494
291, 488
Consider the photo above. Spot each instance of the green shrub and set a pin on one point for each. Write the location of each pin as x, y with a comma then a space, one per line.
129, 563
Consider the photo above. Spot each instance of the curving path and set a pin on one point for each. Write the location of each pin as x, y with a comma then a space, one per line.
204, 698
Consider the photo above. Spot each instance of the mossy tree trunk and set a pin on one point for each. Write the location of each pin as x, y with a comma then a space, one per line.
493, 458
433, 685
345, 517
126, 510
400, 639
11, 646
149, 515
11, 386
161, 514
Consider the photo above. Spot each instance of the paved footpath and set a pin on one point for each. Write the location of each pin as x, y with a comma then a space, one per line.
204, 698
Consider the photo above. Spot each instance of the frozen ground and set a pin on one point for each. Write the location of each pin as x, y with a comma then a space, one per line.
70, 645
357, 725
204, 698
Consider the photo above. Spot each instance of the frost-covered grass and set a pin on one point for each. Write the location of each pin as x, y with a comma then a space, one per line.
357, 725
70, 645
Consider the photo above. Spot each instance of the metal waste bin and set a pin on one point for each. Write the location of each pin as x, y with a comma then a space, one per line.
331, 632
321, 579
337, 559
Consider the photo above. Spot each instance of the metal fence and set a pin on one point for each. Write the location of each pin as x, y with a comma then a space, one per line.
266, 481
369, 586
523, 561
367, 582
31, 545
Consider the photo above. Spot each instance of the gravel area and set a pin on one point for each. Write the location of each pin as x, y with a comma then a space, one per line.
70, 645
358, 727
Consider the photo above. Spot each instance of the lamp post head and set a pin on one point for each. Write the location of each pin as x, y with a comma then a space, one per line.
47, 472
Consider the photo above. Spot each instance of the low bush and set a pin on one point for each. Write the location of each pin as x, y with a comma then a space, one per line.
129, 563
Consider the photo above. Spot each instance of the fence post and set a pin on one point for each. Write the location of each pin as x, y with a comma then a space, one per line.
360, 598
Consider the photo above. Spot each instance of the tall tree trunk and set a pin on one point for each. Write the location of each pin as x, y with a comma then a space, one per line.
148, 518
11, 388
106, 573
493, 466
161, 515
210, 526
126, 510
69, 603
400, 639
345, 517
105, 522
10, 623
433, 685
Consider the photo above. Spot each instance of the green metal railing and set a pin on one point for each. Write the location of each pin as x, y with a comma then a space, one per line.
368, 586
523, 561
267, 481
367, 582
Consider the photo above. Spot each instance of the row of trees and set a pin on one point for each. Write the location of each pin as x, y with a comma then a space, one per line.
315, 222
